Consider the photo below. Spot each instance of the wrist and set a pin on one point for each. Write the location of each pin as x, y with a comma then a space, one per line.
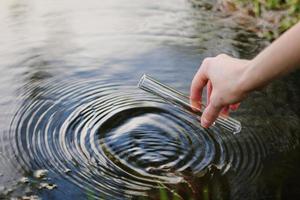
244, 84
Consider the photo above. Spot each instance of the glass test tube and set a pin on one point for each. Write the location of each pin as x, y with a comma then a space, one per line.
173, 96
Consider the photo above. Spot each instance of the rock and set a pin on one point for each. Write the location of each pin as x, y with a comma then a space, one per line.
24, 180
41, 173
67, 171
48, 186
31, 197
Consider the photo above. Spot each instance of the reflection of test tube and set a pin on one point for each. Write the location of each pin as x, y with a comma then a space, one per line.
171, 95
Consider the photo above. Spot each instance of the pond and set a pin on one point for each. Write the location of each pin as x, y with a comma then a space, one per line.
74, 125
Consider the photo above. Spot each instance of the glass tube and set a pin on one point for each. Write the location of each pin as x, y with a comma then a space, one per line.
171, 95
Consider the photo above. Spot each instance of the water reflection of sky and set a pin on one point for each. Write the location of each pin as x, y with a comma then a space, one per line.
117, 36
119, 41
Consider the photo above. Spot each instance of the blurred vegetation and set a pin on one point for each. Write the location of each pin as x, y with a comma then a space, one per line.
273, 17
268, 18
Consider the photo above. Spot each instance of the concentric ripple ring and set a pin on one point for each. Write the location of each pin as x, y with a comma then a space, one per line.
116, 141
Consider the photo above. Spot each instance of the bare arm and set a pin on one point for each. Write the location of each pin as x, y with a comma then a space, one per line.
229, 80
281, 57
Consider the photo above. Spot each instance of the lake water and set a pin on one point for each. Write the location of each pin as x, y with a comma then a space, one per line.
73, 124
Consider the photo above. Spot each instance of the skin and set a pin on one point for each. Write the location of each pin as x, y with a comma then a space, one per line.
229, 80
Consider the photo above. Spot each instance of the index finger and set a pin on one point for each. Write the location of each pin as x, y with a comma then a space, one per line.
199, 82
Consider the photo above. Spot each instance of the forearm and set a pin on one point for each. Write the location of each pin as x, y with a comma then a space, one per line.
281, 57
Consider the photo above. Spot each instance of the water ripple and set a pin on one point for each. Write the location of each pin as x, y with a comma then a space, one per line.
117, 141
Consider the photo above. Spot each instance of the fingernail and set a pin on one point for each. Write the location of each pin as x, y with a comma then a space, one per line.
204, 122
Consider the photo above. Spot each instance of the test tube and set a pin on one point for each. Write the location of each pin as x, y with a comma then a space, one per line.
173, 96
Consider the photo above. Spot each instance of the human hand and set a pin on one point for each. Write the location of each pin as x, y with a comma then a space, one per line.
222, 76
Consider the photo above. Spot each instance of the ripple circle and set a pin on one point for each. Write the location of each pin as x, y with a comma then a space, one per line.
116, 141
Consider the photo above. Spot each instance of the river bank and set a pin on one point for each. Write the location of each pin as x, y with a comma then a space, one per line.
271, 17
268, 18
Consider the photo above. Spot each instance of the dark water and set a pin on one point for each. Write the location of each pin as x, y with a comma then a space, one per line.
74, 125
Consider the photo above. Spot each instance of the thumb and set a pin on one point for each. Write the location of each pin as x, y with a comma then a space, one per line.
210, 114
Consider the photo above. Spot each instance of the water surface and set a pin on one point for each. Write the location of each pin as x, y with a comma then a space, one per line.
74, 125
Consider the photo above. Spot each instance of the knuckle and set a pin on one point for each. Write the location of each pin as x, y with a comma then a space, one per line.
222, 55
206, 61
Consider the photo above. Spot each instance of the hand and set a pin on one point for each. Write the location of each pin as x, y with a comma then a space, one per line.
221, 75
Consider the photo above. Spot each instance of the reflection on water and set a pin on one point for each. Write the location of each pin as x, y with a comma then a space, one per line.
69, 105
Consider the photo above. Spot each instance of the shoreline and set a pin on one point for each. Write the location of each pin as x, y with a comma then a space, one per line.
267, 18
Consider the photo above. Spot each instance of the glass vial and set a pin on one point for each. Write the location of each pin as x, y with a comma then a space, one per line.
173, 96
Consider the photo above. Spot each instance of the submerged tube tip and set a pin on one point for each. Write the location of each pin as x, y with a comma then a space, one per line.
238, 128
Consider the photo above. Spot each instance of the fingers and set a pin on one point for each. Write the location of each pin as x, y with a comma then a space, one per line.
208, 91
225, 111
210, 114
198, 83
234, 107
